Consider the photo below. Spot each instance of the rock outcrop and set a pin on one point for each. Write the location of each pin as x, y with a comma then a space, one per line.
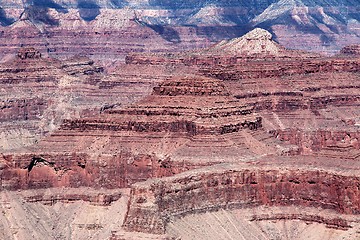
51, 196
303, 100
154, 202
37, 93
351, 50
28, 53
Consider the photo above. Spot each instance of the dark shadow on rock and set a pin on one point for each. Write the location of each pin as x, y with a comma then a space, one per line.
49, 4
166, 32
288, 21
327, 40
355, 15
88, 10
335, 29
341, 18
40, 15
218, 33
4, 20
177, 4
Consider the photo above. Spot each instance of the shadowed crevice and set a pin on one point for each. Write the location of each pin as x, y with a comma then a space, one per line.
37, 11
36, 160
88, 9
166, 32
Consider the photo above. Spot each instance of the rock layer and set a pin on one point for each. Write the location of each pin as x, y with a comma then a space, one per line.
155, 201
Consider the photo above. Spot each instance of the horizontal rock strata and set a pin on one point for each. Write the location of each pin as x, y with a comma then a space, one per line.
153, 202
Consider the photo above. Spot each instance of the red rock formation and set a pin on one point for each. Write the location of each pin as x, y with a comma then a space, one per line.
29, 171
351, 50
43, 91
166, 111
153, 202
267, 69
28, 53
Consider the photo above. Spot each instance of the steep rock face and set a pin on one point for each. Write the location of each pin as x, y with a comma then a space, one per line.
51, 196
156, 201
304, 100
265, 69
163, 111
28, 53
47, 170
326, 142
112, 33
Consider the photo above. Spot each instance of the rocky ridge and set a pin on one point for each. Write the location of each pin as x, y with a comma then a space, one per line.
63, 28
256, 44
128, 134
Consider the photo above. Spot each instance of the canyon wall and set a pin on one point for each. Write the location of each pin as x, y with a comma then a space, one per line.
189, 135
47, 170
154, 202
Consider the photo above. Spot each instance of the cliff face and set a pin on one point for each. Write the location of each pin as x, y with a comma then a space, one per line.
156, 202
47, 170
351, 50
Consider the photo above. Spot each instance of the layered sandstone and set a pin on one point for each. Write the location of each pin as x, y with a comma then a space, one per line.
307, 102
154, 202
52, 196
155, 137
